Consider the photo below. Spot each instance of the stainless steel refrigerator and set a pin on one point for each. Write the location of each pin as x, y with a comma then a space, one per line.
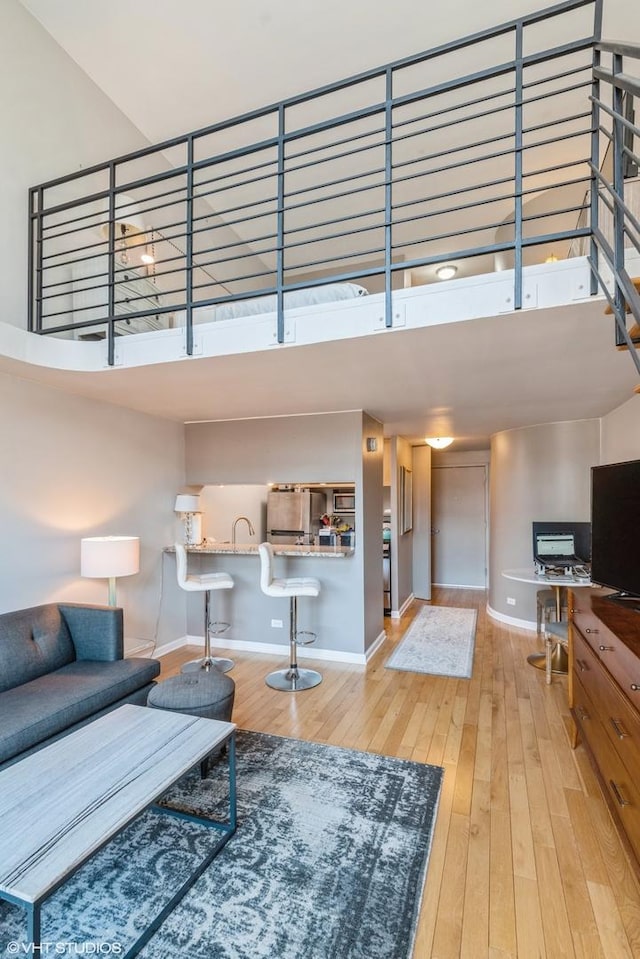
293, 516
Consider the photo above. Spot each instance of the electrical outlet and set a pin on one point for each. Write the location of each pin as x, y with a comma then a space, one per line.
511, 601
276, 623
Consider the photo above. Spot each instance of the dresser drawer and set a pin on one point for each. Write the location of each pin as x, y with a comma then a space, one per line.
619, 718
622, 662
619, 785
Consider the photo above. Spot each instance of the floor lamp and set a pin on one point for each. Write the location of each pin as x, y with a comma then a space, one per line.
107, 557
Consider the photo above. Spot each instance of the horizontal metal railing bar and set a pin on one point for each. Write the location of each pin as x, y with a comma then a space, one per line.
616, 116
118, 191
552, 77
508, 91
488, 156
485, 113
620, 80
536, 240
118, 318
489, 73
617, 201
504, 136
606, 133
632, 156
49, 211
337, 258
616, 198
622, 48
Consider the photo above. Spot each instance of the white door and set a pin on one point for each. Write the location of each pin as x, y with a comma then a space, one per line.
459, 526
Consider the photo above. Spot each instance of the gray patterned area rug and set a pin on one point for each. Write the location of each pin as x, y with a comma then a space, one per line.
328, 862
440, 640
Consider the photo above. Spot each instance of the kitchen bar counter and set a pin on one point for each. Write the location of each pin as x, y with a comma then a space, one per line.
250, 549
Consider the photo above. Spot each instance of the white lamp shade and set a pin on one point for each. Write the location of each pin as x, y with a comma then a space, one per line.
129, 222
187, 503
109, 556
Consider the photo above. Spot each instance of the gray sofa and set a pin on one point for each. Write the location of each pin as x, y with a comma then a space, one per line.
60, 666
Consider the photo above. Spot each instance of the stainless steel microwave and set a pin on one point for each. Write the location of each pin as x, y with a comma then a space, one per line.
344, 502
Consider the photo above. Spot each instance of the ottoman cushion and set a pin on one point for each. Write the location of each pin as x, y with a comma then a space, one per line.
207, 693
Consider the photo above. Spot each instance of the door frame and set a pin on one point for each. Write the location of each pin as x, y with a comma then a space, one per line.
485, 468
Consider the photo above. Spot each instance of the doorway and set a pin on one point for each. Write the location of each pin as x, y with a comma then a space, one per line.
459, 526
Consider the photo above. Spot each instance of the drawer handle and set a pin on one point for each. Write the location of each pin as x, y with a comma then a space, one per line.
572, 611
592, 631
619, 797
635, 687
606, 649
582, 713
583, 666
619, 729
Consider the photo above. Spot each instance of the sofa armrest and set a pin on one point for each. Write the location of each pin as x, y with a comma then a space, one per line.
96, 631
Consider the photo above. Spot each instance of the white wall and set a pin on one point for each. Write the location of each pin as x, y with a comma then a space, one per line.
72, 467
54, 121
620, 433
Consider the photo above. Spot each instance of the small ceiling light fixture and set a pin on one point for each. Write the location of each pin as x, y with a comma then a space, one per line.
552, 258
446, 272
439, 442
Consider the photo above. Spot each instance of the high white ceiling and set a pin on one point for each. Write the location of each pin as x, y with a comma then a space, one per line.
173, 67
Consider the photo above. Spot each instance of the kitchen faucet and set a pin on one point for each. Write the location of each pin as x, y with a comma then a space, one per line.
252, 531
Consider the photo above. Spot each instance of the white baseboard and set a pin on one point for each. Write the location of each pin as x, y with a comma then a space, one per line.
511, 620
272, 649
458, 586
399, 613
375, 645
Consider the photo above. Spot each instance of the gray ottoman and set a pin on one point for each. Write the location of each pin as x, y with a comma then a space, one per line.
207, 693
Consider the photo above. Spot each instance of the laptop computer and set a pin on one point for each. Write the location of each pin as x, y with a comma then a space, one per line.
556, 549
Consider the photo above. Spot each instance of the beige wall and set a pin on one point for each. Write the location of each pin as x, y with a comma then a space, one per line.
537, 473
73, 467
620, 438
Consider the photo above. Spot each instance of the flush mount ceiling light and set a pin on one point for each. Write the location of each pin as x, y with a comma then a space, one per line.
446, 272
552, 258
439, 442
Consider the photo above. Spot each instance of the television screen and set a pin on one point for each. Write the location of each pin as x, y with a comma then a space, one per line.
615, 526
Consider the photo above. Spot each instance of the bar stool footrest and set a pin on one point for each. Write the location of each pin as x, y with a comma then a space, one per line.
218, 628
308, 638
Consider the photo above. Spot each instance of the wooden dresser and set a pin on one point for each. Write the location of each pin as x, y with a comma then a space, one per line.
604, 696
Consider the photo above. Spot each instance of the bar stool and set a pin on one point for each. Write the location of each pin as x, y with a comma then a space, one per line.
546, 607
293, 678
204, 583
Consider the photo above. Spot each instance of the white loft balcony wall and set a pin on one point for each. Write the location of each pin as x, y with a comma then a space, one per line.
546, 285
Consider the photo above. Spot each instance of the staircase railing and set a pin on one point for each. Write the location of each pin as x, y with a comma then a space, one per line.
379, 179
615, 196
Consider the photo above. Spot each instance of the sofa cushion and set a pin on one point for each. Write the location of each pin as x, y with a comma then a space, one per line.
43, 707
33, 642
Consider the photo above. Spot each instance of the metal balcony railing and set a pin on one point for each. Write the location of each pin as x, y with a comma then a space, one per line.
615, 198
478, 152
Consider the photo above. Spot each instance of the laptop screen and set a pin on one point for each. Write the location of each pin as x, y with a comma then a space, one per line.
559, 544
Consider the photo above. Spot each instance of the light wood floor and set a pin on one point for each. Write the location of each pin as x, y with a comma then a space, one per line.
525, 859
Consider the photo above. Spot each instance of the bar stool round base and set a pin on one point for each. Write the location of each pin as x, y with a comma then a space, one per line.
215, 662
291, 680
559, 660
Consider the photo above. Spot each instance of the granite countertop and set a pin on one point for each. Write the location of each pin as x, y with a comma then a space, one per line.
251, 549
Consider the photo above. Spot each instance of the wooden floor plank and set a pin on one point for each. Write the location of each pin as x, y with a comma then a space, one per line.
525, 860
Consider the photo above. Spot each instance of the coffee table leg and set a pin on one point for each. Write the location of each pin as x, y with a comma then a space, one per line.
232, 782
33, 926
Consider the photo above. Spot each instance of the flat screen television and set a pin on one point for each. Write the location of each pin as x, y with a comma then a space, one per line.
615, 529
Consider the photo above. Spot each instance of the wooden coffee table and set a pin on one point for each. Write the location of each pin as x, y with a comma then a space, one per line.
63, 803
